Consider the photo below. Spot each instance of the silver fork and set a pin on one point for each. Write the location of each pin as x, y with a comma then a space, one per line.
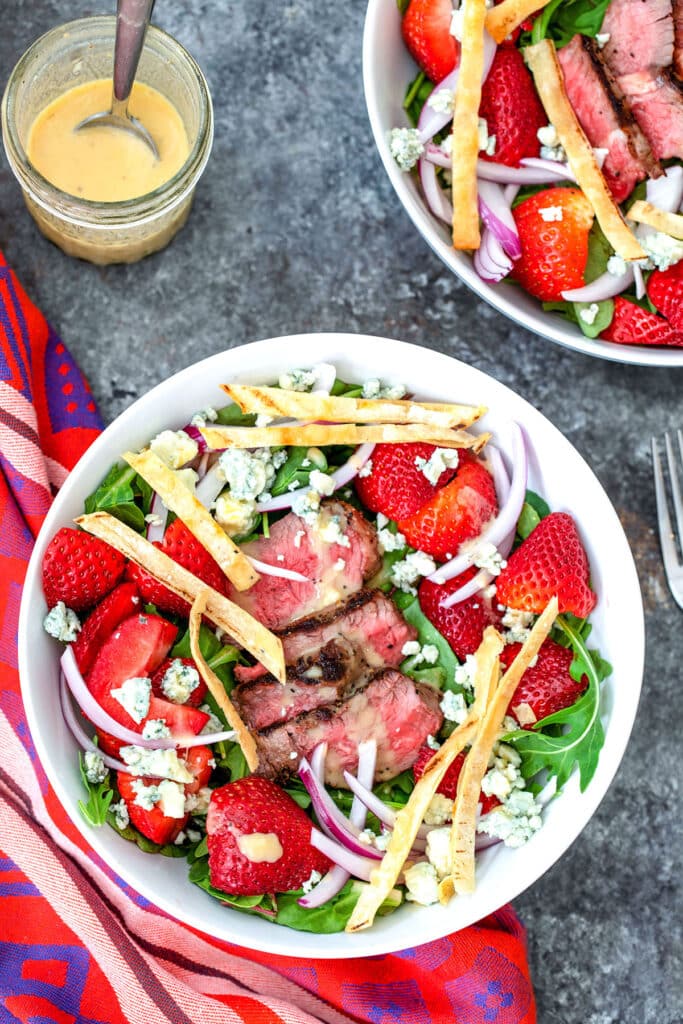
671, 539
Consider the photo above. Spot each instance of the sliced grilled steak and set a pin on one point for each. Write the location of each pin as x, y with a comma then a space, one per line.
390, 708
657, 103
325, 677
641, 36
678, 37
605, 117
334, 570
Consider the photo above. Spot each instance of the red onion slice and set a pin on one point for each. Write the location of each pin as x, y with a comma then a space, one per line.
157, 528
433, 193
84, 741
497, 216
377, 807
561, 170
604, 287
505, 522
489, 260
367, 758
666, 192
639, 280
501, 480
331, 819
210, 486
339, 478
359, 867
549, 174
432, 121
278, 570
196, 435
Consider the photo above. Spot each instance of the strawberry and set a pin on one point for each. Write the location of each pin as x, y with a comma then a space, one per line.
183, 547
256, 807
551, 561
181, 719
554, 252
122, 602
633, 325
396, 486
547, 686
511, 108
456, 512
449, 783
79, 569
426, 32
665, 290
462, 624
196, 696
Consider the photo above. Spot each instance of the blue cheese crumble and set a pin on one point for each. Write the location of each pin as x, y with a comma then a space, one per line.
389, 541
133, 695
121, 817
204, 416
311, 881
662, 250
179, 681
365, 470
464, 674
518, 625
321, 482
332, 532
589, 313
442, 101
94, 767
236, 516
155, 762
515, 821
155, 729
248, 474
486, 556
307, 507
406, 148
454, 707
551, 147
616, 265
175, 448
422, 884
373, 387
438, 462
297, 380
551, 213
405, 574
62, 623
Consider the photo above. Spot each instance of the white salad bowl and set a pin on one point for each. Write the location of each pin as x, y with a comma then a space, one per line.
387, 70
557, 472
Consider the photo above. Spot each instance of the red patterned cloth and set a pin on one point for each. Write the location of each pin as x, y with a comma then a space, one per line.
79, 945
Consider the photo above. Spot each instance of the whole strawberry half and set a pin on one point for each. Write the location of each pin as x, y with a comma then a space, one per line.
551, 561
259, 839
455, 513
426, 29
545, 687
512, 109
633, 325
665, 290
554, 251
462, 624
122, 602
183, 547
79, 569
449, 783
396, 486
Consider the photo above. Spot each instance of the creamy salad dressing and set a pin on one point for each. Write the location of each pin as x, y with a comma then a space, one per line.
260, 847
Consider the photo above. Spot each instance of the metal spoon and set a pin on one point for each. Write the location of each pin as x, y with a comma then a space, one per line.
132, 19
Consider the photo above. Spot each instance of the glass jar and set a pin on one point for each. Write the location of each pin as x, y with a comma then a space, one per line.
82, 51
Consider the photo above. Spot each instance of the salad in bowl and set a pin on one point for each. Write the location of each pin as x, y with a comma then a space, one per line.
321, 652
544, 143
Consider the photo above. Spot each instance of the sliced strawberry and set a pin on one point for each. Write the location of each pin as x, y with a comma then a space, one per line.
550, 562
426, 29
134, 650
259, 839
546, 686
152, 822
122, 602
462, 624
553, 230
196, 696
456, 512
511, 108
79, 569
199, 761
396, 485
665, 290
449, 783
183, 547
632, 325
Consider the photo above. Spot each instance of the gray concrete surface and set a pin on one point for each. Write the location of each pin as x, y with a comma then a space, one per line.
296, 228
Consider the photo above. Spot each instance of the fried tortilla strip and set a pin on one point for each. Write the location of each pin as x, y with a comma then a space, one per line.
660, 220
319, 434
274, 402
463, 832
409, 818
509, 15
197, 519
466, 127
542, 61
216, 688
245, 630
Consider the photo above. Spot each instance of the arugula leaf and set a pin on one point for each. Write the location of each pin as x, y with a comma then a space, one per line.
582, 735
232, 416
428, 634
561, 20
417, 94
100, 796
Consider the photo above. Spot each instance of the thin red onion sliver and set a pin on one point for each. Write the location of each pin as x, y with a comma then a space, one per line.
339, 478
666, 192
562, 170
367, 758
377, 807
156, 530
331, 819
547, 174
505, 521
210, 486
329, 885
604, 287
433, 193
359, 867
639, 280
490, 261
432, 121
277, 570
79, 734
196, 435
497, 216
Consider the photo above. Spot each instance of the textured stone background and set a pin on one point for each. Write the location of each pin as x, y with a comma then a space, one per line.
296, 228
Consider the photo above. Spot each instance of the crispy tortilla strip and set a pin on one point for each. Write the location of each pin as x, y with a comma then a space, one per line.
542, 61
240, 625
463, 831
409, 818
216, 688
466, 127
303, 405
660, 220
509, 15
319, 434
196, 517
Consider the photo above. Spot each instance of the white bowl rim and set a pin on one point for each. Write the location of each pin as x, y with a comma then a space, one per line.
545, 325
261, 935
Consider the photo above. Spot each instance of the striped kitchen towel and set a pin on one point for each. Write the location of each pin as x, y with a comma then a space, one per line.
77, 944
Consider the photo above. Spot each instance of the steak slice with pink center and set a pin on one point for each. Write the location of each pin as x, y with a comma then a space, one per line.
606, 117
657, 103
678, 37
641, 35
322, 678
336, 555
390, 708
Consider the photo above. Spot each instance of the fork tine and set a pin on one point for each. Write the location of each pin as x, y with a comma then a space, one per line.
663, 520
675, 486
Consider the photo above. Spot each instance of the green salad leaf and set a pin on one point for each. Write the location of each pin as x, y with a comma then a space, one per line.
417, 94
427, 634
100, 796
561, 20
124, 495
232, 416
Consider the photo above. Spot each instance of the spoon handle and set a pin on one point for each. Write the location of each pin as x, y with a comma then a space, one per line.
132, 19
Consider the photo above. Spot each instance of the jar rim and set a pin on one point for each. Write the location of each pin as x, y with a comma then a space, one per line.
98, 214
